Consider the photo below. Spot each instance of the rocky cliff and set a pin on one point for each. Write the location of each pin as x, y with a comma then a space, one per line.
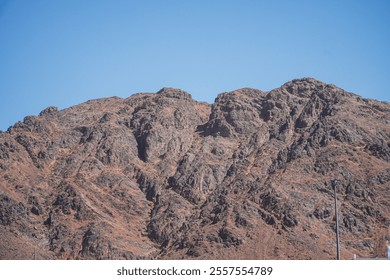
164, 176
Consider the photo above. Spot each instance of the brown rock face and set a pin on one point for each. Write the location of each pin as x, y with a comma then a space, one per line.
163, 176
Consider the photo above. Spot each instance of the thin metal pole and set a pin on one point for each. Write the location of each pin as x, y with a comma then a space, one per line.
337, 221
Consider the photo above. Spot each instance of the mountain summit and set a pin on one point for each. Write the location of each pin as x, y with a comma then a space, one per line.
164, 176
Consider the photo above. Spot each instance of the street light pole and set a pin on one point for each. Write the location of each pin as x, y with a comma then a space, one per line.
334, 183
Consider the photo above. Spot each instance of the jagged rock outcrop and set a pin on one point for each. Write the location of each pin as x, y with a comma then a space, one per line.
164, 176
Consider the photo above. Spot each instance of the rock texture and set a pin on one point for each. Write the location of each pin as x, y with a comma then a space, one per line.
164, 176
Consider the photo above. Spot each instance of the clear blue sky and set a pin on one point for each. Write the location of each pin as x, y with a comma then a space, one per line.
65, 52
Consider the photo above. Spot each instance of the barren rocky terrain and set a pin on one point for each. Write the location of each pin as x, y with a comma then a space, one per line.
162, 176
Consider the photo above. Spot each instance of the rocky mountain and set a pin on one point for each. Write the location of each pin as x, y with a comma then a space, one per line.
162, 176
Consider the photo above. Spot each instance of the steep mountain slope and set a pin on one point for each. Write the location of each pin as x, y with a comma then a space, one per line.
163, 176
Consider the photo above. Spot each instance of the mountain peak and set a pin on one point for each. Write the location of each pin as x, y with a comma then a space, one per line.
154, 176
174, 93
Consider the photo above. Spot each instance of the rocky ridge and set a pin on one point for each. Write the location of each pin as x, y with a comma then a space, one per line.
164, 176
